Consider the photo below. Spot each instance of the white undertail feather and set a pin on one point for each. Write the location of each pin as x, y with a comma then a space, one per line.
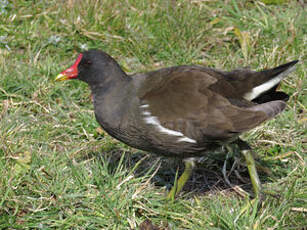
256, 91
153, 120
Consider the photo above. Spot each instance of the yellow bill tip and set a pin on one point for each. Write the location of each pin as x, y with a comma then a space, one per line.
61, 77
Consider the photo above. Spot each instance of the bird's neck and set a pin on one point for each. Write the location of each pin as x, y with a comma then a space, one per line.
111, 100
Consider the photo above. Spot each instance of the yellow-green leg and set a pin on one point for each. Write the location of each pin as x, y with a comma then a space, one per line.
250, 162
252, 172
252, 204
178, 185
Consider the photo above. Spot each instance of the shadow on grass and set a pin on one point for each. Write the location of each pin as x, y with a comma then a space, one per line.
207, 176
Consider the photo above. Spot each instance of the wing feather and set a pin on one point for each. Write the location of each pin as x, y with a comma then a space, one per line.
182, 100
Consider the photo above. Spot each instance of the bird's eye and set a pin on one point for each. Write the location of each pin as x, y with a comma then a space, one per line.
87, 63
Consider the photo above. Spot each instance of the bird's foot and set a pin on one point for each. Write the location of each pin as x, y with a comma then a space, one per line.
178, 184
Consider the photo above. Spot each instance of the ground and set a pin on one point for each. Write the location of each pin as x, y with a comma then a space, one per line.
59, 170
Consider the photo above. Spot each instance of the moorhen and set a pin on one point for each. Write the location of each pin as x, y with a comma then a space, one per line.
182, 111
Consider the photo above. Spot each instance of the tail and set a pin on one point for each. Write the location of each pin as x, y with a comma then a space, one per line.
265, 83
271, 109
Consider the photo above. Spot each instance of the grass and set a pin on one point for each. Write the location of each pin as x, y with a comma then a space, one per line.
59, 170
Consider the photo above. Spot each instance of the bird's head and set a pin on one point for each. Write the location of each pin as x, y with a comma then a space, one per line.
92, 67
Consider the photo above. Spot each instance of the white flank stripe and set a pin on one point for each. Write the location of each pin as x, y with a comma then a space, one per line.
255, 92
186, 139
144, 106
151, 120
169, 131
154, 121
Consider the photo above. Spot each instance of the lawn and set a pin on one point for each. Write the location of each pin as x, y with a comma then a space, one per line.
59, 170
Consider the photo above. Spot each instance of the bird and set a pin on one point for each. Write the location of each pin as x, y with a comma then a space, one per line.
183, 111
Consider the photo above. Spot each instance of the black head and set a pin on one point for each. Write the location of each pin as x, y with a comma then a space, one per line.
94, 67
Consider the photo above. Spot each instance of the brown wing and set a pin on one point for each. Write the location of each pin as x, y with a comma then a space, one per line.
181, 99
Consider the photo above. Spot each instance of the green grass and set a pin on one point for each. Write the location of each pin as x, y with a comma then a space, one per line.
58, 171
